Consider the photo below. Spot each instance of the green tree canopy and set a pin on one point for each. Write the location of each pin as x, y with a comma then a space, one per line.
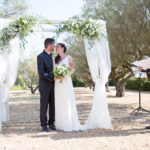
128, 26
27, 73
77, 50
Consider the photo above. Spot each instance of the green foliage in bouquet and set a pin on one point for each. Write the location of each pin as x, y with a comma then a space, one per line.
61, 71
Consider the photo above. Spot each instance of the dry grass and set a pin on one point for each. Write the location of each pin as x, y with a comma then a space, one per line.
25, 133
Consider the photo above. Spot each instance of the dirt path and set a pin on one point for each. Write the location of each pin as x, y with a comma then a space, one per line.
24, 132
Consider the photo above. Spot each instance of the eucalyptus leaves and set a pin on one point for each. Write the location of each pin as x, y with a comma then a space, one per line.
84, 28
20, 27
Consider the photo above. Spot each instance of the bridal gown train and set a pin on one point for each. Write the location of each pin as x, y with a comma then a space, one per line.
66, 116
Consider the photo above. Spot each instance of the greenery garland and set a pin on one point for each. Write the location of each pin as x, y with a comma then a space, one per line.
20, 27
84, 28
24, 25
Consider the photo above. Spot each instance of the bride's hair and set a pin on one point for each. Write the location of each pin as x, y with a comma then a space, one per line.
57, 59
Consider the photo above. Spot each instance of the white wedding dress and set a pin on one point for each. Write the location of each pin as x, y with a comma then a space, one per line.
66, 116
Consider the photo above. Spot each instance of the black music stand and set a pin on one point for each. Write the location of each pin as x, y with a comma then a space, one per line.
137, 110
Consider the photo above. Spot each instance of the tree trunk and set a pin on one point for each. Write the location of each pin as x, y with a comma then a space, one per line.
34, 90
107, 87
120, 86
120, 89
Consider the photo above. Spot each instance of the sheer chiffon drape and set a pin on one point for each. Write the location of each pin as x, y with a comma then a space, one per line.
98, 57
8, 72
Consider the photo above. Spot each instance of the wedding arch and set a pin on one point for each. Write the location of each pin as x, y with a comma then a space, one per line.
13, 33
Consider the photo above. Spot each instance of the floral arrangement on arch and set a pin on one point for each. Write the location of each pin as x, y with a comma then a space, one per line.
20, 27
84, 28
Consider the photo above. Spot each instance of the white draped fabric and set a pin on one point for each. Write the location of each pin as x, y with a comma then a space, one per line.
8, 73
98, 57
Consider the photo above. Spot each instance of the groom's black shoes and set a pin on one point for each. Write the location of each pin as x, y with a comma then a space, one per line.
52, 127
148, 127
45, 129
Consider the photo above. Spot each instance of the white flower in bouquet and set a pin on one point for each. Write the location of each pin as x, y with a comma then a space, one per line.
76, 25
61, 71
25, 21
73, 23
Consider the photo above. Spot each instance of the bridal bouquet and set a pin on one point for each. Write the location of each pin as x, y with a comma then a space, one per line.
61, 71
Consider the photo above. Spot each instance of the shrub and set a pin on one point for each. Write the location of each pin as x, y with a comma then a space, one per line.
76, 82
132, 84
111, 83
146, 86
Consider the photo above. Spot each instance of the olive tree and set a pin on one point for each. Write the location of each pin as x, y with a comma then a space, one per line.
27, 73
128, 25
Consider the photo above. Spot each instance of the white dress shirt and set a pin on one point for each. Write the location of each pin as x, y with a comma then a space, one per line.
47, 52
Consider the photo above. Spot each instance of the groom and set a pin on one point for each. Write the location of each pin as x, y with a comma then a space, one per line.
46, 85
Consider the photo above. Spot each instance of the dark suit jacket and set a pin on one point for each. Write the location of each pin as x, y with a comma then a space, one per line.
45, 70
148, 70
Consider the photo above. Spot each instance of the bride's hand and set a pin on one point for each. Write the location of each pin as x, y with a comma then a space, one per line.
66, 76
53, 56
58, 78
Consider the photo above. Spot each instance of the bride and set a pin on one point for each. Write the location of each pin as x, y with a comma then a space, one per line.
66, 117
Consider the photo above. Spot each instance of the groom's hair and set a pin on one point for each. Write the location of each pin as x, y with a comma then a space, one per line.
48, 41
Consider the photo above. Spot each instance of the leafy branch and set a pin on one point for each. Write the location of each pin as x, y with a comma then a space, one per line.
21, 28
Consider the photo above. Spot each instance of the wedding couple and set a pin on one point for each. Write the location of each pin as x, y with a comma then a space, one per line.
56, 97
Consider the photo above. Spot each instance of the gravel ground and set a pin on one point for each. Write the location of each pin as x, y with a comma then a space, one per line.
24, 132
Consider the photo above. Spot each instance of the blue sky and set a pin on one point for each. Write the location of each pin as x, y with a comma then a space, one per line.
52, 10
